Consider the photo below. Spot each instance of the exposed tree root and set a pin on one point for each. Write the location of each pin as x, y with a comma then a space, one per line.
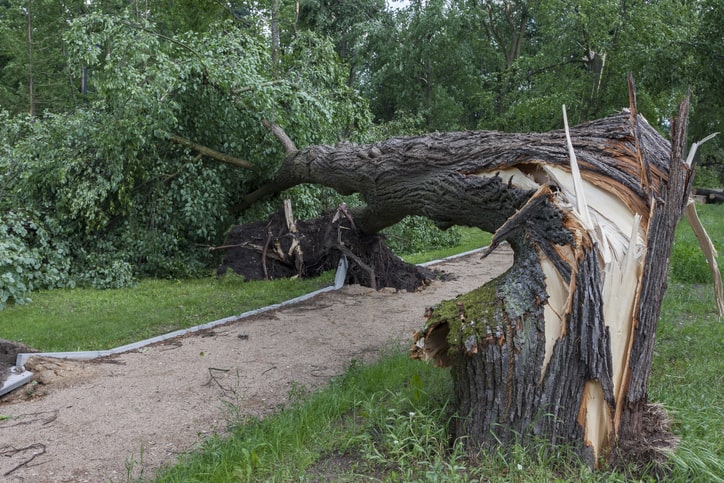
270, 250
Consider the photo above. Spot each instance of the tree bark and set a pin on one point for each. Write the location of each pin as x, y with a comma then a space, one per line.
559, 348
31, 82
563, 353
275, 42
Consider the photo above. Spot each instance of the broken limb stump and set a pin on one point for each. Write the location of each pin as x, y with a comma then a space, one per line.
559, 348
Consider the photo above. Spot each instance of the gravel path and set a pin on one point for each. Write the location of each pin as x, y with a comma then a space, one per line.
91, 421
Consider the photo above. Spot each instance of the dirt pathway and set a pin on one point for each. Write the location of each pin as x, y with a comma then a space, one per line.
90, 421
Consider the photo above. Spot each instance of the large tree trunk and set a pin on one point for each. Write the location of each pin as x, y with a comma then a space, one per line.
559, 348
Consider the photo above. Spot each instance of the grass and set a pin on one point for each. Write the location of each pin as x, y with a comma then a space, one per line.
687, 378
470, 239
688, 264
89, 319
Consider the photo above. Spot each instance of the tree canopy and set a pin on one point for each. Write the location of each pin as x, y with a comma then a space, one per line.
132, 132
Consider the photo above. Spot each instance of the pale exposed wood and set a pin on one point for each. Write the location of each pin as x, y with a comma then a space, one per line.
295, 250
580, 194
709, 251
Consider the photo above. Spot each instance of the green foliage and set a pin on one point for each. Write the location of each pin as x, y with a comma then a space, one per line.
709, 177
30, 258
708, 114
510, 65
419, 61
310, 201
104, 172
416, 234
345, 22
31, 53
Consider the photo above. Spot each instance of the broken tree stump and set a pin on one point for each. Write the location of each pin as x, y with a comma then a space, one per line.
558, 350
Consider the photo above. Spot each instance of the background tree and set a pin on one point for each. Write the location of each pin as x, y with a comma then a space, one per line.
708, 59
109, 178
347, 23
34, 76
420, 62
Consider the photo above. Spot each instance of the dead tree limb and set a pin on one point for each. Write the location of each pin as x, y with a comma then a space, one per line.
279, 133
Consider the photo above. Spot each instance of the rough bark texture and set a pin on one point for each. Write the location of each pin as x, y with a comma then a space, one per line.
451, 177
585, 392
667, 210
559, 348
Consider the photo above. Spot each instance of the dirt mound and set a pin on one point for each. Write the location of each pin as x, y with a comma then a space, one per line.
9, 351
51, 374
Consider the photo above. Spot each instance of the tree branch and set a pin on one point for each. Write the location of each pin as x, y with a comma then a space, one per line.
279, 133
240, 90
254, 196
212, 153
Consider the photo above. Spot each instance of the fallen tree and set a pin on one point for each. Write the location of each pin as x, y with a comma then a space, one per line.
559, 349
711, 195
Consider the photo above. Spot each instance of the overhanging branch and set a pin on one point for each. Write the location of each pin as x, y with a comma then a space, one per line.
279, 133
206, 151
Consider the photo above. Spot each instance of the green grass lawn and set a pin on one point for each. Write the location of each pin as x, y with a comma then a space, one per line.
89, 319
470, 239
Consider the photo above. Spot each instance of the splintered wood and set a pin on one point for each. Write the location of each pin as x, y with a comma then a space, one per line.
621, 191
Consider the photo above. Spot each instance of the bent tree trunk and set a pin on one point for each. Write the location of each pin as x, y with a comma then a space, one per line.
559, 348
